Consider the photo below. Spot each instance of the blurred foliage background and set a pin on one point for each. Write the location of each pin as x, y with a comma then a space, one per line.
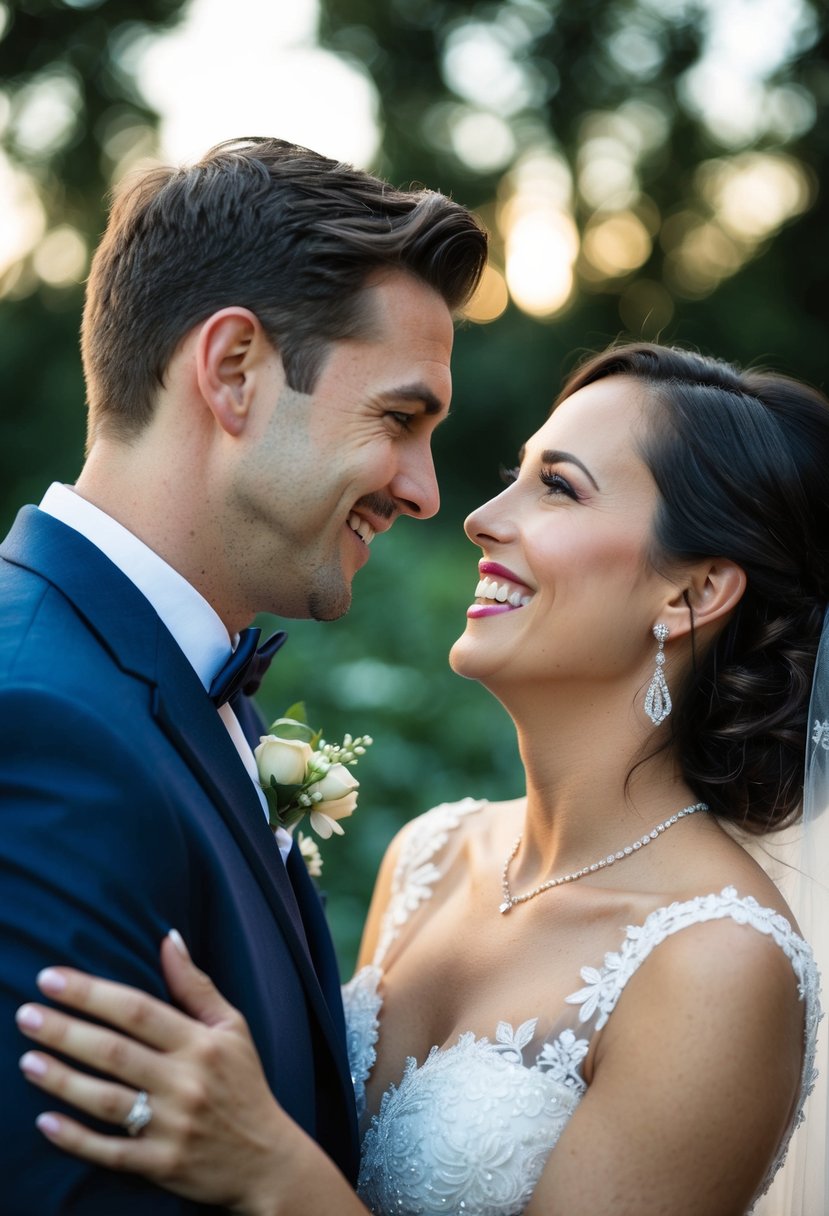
646, 168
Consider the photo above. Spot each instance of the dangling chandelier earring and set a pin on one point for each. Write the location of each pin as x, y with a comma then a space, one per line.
657, 699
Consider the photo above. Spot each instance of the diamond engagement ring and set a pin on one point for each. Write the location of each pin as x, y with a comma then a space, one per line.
140, 1114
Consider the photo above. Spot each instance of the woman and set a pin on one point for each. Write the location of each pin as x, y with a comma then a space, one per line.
652, 591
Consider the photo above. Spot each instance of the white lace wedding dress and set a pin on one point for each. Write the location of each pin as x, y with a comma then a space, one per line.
469, 1130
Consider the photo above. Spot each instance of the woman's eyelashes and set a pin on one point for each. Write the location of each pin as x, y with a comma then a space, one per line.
556, 484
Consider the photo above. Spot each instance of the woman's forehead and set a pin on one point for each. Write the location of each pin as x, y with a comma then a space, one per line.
604, 420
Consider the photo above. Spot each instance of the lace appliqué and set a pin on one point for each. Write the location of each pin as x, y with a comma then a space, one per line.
412, 882
416, 874
471, 1129
604, 986
362, 1002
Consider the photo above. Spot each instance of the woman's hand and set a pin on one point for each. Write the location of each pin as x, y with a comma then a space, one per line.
216, 1134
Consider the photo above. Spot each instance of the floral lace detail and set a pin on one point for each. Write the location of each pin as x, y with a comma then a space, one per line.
560, 1060
563, 1059
470, 1130
467, 1131
604, 986
362, 1002
416, 874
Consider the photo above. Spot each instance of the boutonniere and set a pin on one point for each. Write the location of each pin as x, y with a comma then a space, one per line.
301, 775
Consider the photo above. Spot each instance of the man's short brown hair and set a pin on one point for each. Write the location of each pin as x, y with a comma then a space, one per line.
268, 226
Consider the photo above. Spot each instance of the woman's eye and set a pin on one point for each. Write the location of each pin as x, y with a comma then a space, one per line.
508, 476
556, 484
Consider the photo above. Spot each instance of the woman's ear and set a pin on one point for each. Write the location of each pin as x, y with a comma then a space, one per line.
711, 589
228, 350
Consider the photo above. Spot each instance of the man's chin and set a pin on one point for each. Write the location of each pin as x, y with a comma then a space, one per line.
329, 605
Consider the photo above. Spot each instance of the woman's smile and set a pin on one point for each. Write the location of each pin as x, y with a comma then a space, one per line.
498, 591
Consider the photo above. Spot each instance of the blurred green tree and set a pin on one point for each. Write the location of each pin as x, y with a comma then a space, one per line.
71, 118
647, 168
686, 205
637, 180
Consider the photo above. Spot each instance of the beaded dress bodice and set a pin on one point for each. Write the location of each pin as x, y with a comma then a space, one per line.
470, 1129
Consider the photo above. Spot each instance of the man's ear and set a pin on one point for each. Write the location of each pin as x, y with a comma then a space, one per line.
229, 349
711, 589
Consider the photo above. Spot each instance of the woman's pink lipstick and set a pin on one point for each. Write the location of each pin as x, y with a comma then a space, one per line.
491, 607
498, 571
476, 610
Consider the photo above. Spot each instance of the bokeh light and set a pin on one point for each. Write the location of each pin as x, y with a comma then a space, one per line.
540, 237
276, 83
490, 299
61, 257
616, 244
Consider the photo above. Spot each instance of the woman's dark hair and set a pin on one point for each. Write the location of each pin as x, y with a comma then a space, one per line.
741, 463
267, 225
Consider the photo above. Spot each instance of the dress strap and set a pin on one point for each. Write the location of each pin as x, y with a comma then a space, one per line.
604, 986
416, 873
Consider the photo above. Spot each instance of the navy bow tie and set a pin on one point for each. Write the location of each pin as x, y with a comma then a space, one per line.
246, 667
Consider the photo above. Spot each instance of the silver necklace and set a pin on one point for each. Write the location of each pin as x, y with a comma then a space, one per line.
510, 900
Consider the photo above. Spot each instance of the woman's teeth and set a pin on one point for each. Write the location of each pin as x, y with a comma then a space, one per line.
503, 593
362, 527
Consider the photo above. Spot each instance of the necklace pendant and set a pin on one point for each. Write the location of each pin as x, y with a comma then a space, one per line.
505, 906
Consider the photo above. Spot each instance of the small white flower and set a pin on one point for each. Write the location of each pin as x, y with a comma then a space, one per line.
310, 854
283, 759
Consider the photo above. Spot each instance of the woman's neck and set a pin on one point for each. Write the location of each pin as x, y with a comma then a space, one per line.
593, 784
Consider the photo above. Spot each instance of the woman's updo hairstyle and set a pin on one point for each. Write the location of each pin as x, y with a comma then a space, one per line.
741, 462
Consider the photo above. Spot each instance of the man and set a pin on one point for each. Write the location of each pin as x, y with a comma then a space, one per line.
266, 344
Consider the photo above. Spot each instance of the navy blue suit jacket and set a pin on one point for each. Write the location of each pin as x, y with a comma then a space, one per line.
125, 810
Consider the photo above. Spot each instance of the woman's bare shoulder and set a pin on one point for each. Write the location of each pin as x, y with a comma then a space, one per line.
739, 862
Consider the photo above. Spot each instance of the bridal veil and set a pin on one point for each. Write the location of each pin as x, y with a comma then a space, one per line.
798, 861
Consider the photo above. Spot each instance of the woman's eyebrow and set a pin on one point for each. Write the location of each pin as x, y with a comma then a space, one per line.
553, 456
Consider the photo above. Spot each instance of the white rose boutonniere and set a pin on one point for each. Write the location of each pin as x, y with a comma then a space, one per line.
302, 774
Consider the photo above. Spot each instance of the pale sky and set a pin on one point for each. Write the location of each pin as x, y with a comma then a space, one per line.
260, 74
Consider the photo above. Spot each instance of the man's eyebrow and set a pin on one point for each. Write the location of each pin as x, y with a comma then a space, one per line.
553, 456
417, 393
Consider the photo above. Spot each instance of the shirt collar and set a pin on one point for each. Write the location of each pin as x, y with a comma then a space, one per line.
196, 627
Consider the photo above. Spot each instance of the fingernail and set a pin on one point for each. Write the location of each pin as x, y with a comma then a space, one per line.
29, 1016
48, 1124
178, 941
32, 1065
51, 981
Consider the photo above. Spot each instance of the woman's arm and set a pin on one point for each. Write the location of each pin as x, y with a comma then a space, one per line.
693, 1086
216, 1134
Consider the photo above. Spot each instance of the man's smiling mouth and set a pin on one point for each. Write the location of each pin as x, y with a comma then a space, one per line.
362, 527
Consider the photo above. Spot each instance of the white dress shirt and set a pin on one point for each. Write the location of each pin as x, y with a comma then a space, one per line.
195, 626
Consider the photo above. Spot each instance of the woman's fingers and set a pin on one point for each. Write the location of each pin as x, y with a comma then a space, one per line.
102, 1099
115, 1152
191, 988
140, 1015
87, 1043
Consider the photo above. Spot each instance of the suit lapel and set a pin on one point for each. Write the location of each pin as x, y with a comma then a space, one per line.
131, 631
198, 733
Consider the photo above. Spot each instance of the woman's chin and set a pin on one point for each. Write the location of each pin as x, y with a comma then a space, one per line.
467, 658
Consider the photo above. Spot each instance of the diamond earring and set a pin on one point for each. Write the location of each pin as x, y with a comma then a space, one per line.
657, 699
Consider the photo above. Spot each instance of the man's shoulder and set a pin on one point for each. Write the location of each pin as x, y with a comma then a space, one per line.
39, 629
